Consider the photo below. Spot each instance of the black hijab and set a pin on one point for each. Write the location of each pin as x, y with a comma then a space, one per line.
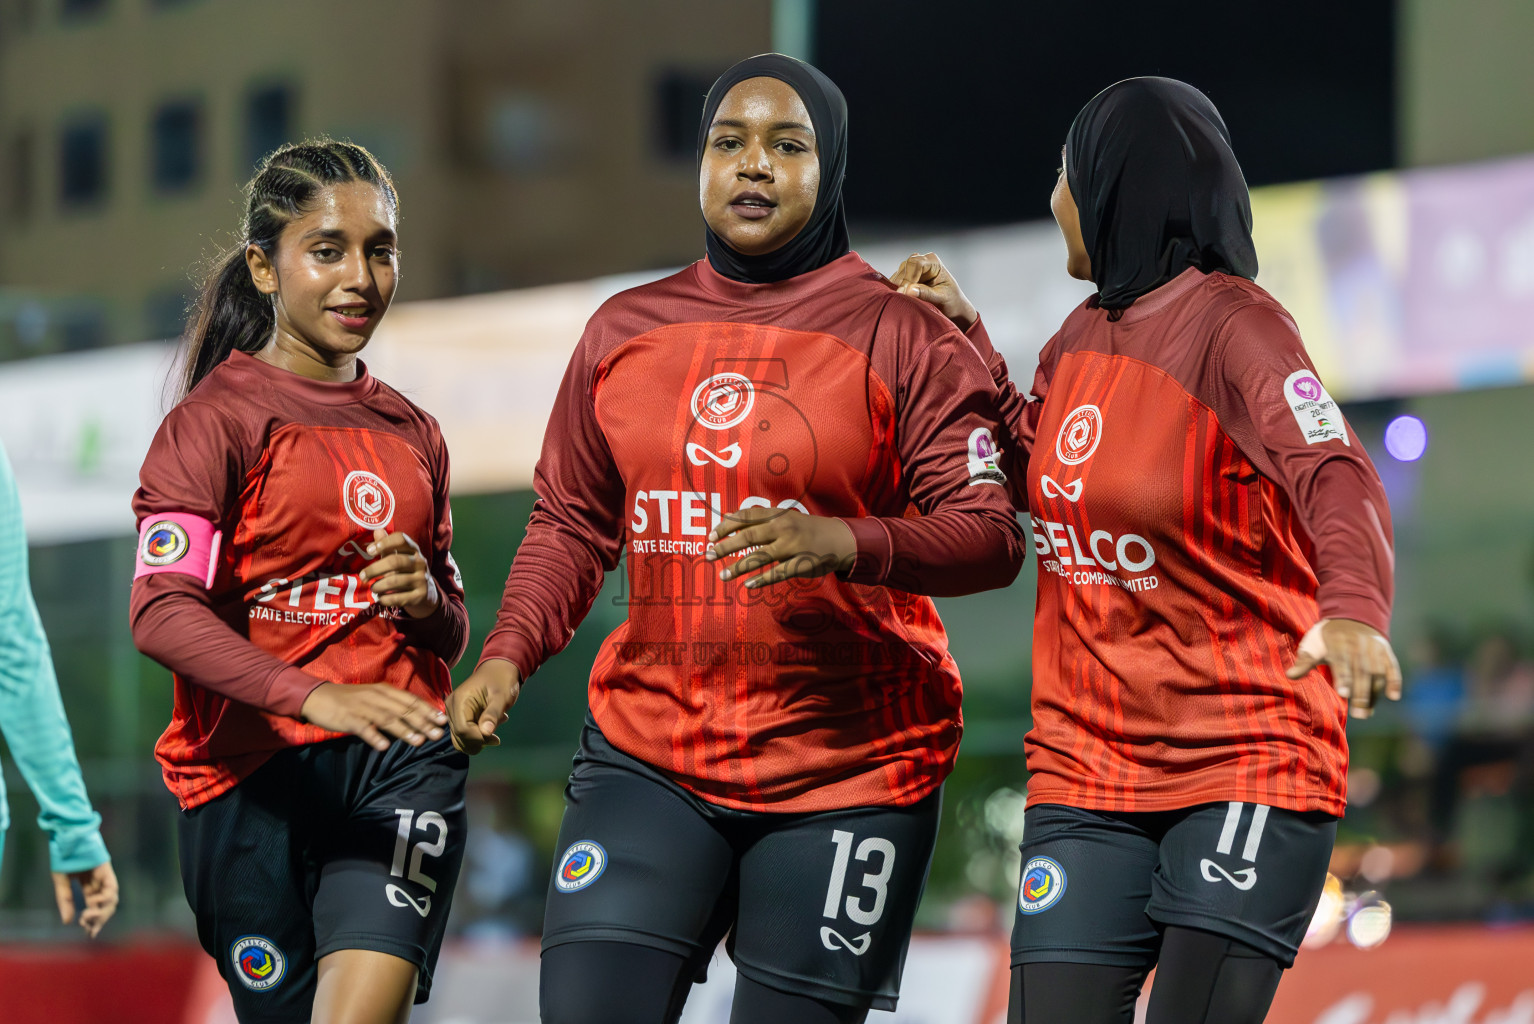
824, 237
1150, 166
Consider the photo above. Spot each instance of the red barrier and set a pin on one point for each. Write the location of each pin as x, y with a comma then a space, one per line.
1452, 974
146, 983
1422, 975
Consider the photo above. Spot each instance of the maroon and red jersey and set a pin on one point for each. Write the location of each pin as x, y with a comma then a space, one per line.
1198, 503
256, 503
827, 393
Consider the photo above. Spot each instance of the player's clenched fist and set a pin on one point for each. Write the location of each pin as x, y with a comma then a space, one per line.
481, 703
374, 711
786, 542
400, 576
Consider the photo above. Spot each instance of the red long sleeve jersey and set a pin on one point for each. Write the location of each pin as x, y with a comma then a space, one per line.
1194, 494
296, 474
827, 393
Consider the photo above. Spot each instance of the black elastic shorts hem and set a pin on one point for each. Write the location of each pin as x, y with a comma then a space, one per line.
795, 985
374, 943
1099, 957
1229, 929
615, 933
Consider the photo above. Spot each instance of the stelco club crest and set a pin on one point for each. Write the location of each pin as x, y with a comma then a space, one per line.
258, 963
164, 542
581, 865
367, 499
1079, 434
1042, 886
723, 400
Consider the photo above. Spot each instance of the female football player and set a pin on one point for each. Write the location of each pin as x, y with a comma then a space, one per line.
794, 456
1210, 531
294, 573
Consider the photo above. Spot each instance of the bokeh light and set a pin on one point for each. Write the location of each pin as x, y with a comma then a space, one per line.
1406, 438
1370, 921
1330, 913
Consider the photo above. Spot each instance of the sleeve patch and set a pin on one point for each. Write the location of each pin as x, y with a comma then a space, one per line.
178, 542
984, 458
1314, 410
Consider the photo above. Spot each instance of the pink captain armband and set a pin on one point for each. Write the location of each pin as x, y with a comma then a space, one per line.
178, 542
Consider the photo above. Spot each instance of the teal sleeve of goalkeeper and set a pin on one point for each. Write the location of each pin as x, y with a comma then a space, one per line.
31, 712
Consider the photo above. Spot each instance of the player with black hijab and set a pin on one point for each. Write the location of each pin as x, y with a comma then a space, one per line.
795, 456
1210, 533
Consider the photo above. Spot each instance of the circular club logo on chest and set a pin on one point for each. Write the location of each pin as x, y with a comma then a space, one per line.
1079, 434
722, 401
367, 499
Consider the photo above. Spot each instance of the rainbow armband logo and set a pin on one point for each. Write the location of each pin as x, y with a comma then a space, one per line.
177, 542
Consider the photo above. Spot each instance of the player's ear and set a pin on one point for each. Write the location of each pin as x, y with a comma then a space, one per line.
262, 272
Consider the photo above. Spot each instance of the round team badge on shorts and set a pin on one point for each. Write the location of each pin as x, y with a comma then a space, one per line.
164, 542
581, 865
1043, 885
258, 963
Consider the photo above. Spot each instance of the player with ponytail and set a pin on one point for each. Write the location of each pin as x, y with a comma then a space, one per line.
294, 573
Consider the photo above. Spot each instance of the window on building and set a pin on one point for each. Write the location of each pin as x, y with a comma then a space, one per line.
176, 146
82, 326
83, 161
18, 171
165, 313
23, 14
73, 10
269, 118
678, 99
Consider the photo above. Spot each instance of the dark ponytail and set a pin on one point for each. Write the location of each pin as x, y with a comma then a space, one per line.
230, 312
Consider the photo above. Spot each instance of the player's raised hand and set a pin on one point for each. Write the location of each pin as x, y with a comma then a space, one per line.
923, 276
482, 703
99, 885
374, 711
399, 575
1362, 662
785, 541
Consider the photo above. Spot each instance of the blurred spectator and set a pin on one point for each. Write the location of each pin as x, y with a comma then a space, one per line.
500, 896
1491, 751
1435, 690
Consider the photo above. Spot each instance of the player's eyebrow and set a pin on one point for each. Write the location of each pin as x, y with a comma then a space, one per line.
778, 126
336, 234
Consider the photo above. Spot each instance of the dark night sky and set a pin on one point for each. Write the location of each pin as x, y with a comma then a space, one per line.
958, 109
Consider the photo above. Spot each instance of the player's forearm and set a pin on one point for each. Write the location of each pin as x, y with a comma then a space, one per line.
949, 553
38, 735
553, 582
1348, 518
184, 634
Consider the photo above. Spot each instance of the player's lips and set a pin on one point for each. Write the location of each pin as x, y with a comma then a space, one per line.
353, 318
752, 206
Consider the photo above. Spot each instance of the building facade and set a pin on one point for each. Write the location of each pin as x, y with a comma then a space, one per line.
531, 141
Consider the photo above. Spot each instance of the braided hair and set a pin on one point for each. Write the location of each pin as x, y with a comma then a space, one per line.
231, 313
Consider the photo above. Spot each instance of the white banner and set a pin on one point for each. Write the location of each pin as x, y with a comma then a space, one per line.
486, 366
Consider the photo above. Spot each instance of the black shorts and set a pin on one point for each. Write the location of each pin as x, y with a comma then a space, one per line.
818, 903
1098, 887
329, 846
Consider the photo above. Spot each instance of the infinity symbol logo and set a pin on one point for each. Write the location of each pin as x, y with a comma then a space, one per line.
857, 947
1243, 879
396, 894
1054, 489
700, 456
